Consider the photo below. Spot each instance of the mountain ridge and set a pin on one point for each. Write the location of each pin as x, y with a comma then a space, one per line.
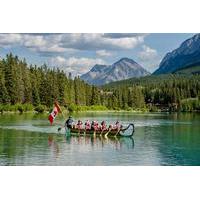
188, 53
122, 69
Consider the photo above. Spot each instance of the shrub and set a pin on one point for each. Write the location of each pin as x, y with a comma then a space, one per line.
153, 109
188, 105
27, 107
40, 108
72, 108
20, 108
77, 108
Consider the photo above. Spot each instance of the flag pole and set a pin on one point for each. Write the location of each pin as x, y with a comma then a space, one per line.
56, 104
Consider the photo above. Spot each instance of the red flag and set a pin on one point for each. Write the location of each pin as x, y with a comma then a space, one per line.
55, 111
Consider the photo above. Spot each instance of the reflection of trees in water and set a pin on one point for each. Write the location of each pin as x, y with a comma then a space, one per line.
16, 144
52, 143
100, 141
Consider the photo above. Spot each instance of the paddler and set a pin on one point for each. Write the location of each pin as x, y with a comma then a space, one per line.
87, 125
96, 126
117, 125
103, 125
69, 122
79, 124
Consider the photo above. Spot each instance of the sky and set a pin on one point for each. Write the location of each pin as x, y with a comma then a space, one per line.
79, 52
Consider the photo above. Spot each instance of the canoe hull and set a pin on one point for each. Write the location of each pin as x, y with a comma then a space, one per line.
91, 132
126, 132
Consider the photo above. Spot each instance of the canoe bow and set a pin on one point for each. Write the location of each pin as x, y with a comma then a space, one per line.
123, 131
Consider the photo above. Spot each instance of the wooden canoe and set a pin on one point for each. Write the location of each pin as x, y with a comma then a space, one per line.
125, 132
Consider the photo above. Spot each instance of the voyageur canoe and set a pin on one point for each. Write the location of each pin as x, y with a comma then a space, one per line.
125, 132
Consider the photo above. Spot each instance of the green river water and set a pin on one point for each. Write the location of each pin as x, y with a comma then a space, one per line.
159, 139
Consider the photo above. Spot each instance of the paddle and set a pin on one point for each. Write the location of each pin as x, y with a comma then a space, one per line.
108, 132
59, 129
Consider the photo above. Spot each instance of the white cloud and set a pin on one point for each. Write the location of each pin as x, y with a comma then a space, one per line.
44, 43
9, 39
35, 42
124, 35
99, 41
76, 66
103, 53
147, 53
68, 42
149, 58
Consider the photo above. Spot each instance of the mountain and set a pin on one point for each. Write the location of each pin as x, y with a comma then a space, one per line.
188, 54
123, 69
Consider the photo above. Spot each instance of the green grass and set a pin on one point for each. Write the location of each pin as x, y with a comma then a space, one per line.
78, 108
189, 105
186, 105
189, 70
16, 108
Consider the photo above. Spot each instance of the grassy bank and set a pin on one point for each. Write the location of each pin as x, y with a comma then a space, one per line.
21, 108
186, 105
42, 108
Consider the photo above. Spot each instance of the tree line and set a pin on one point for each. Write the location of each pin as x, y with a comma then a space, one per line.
24, 84
170, 92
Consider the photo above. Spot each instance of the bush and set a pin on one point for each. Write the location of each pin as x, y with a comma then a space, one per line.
20, 108
72, 108
153, 109
8, 107
97, 108
28, 107
40, 108
77, 108
189, 105
17, 107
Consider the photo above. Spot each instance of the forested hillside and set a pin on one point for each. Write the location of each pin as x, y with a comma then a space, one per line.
189, 70
170, 92
21, 84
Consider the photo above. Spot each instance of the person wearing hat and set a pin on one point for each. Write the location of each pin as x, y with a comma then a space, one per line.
69, 122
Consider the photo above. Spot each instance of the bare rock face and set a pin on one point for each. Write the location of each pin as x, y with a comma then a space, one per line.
123, 69
188, 54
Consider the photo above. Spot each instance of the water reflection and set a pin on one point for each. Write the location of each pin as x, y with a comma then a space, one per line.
54, 145
160, 139
101, 141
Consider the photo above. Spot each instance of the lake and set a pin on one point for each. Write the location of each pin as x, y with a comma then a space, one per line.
159, 139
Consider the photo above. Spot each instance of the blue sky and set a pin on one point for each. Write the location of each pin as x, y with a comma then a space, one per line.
78, 53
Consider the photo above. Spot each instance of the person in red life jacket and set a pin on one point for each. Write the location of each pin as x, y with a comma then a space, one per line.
103, 125
87, 125
79, 124
96, 126
117, 125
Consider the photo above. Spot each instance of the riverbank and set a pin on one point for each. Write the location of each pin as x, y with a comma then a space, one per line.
68, 109
29, 108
